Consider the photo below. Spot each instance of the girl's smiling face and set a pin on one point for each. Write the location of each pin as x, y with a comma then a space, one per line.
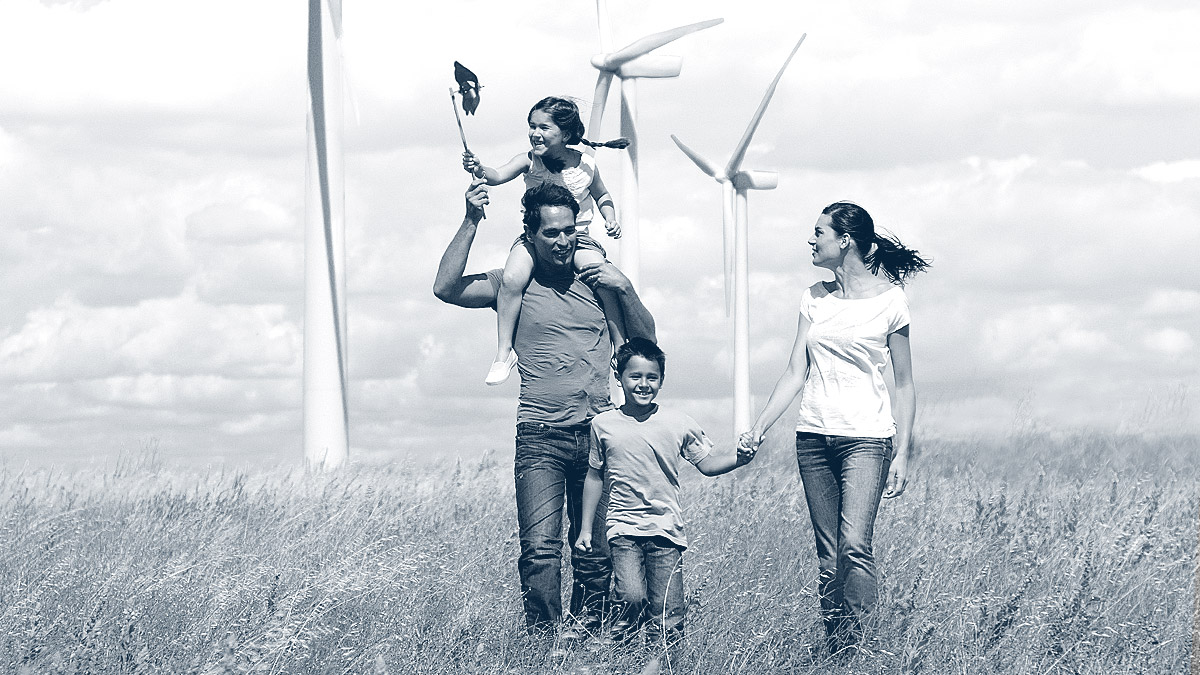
826, 243
544, 135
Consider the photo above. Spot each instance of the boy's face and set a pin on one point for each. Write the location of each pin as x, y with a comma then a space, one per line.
640, 380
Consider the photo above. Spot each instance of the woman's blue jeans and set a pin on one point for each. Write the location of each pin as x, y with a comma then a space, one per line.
843, 482
551, 464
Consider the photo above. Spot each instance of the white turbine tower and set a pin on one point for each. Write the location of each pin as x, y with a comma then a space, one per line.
735, 183
326, 438
629, 63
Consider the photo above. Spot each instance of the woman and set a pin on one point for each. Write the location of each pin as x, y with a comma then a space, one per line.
846, 436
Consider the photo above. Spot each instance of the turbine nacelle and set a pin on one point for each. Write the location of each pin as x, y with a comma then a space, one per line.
756, 180
649, 65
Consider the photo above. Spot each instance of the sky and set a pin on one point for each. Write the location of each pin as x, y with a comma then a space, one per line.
1045, 156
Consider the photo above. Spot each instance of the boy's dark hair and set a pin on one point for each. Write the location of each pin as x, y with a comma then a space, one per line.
546, 194
640, 346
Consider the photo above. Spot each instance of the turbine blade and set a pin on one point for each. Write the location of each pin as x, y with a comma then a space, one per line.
651, 42
705, 165
598, 101
740, 152
651, 65
603, 24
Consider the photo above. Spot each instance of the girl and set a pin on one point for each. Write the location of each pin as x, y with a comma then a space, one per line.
554, 124
847, 441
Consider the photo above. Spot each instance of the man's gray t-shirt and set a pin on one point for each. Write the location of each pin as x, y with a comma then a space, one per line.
563, 351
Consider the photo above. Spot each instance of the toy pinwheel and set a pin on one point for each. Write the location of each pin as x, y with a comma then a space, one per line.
468, 88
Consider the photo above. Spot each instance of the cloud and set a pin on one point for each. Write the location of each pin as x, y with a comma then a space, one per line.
1170, 342
1170, 172
1171, 301
68, 341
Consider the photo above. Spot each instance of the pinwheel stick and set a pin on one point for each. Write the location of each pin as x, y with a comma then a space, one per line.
458, 118
462, 134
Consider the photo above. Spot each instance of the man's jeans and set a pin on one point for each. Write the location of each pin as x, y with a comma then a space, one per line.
648, 575
551, 463
843, 481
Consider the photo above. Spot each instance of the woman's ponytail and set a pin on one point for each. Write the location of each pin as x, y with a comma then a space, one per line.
897, 261
877, 250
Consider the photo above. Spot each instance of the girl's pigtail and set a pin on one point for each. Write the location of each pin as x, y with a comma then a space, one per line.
617, 143
897, 261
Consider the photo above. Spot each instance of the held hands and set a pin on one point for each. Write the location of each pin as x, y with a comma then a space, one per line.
584, 542
747, 446
477, 198
613, 228
745, 455
751, 439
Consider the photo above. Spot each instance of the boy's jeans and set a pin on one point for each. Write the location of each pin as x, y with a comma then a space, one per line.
843, 480
649, 578
551, 463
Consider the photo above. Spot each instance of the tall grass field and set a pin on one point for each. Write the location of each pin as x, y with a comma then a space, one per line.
1031, 554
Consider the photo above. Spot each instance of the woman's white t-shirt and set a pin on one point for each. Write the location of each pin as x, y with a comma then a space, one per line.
845, 393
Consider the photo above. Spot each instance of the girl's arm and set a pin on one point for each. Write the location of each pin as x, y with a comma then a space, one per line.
593, 487
604, 203
515, 167
904, 408
786, 388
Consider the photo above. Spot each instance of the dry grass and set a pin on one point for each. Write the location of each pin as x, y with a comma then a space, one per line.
1036, 554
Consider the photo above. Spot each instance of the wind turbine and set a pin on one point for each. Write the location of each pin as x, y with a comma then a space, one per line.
735, 183
629, 63
326, 419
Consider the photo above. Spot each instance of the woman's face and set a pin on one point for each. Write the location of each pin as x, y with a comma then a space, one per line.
827, 245
544, 134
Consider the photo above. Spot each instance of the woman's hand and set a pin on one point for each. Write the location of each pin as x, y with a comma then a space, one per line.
897, 476
751, 439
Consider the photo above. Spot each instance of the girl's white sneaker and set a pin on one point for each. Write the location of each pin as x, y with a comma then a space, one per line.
500, 370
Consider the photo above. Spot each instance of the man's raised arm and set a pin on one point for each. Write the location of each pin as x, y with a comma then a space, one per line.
638, 321
451, 285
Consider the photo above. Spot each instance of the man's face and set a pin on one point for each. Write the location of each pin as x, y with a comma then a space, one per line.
554, 242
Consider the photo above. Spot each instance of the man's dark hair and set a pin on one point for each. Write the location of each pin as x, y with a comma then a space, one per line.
546, 194
640, 346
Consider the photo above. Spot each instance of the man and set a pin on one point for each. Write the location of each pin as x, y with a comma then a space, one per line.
563, 355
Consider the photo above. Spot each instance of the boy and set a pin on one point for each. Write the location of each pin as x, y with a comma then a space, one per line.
636, 450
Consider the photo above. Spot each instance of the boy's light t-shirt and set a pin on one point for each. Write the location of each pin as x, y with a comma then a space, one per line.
641, 462
845, 393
